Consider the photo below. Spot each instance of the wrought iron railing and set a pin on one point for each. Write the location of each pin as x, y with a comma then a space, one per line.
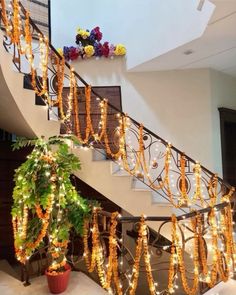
167, 171
156, 263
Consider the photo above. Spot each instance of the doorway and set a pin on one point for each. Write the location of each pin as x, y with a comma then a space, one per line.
228, 144
9, 161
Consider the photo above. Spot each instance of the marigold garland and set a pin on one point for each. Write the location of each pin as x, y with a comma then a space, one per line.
5, 19
221, 263
184, 196
43, 52
112, 266
60, 81
212, 189
105, 276
89, 131
16, 28
177, 258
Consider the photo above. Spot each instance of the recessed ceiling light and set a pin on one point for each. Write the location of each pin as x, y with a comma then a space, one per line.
188, 52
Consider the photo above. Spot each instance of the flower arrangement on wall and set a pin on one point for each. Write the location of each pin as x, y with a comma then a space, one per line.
89, 44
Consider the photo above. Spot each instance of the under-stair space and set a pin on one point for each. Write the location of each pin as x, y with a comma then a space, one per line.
9, 161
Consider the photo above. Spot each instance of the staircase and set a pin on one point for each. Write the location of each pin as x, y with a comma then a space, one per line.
28, 119
150, 176
17, 104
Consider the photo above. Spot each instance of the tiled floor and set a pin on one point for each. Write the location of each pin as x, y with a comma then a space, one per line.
228, 288
79, 284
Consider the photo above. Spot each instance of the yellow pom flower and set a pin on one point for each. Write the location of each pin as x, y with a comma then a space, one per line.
84, 34
89, 50
60, 51
120, 49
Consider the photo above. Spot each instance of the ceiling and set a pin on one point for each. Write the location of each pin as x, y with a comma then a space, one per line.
215, 49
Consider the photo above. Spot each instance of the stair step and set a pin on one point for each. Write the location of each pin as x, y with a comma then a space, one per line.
117, 170
159, 200
27, 85
53, 114
99, 155
138, 185
39, 100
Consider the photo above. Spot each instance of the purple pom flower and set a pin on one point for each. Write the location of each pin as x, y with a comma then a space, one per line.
98, 49
66, 52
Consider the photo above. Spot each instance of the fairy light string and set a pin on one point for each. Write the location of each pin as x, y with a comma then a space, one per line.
198, 192
60, 83
212, 189
178, 259
41, 90
221, 262
97, 258
28, 40
65, 117
184, 200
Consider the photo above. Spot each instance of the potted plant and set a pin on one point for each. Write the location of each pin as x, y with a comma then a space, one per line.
46, 205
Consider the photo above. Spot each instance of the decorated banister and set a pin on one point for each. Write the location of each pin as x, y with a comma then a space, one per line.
207, 235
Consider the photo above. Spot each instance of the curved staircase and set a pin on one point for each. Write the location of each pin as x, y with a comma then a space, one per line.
20, 115
18, 112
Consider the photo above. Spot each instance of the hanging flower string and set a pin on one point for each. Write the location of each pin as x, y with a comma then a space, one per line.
5, 20
223, 263
105, 276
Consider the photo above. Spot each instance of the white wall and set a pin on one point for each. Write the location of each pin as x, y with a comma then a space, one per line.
145, 27
174, 104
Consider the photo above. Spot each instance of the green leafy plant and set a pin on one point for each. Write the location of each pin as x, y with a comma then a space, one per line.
46, 204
